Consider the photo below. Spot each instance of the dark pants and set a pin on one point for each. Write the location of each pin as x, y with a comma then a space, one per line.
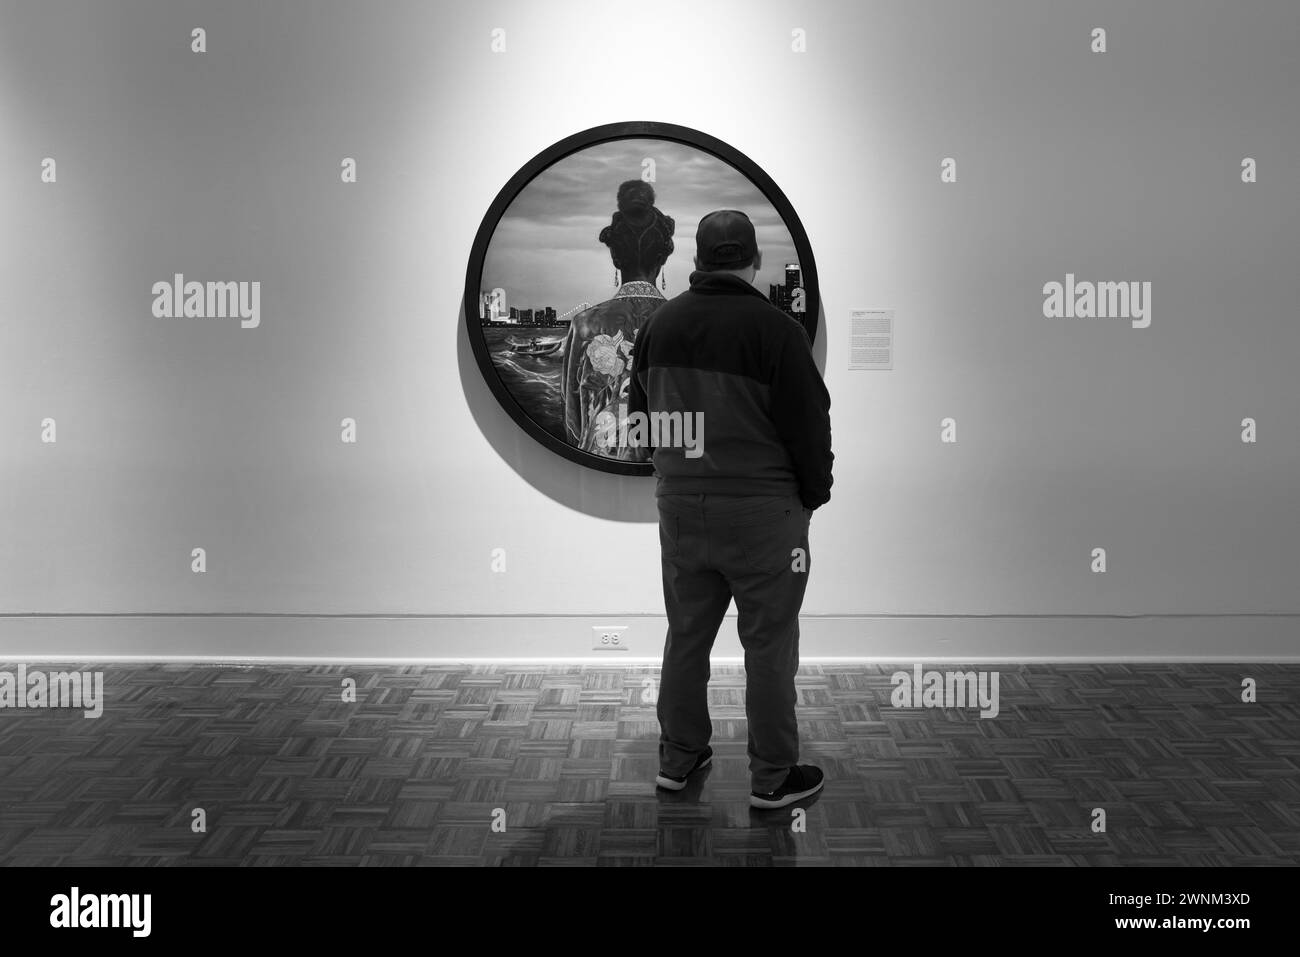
715, 548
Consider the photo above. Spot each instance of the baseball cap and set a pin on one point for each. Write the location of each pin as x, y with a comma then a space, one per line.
725, 240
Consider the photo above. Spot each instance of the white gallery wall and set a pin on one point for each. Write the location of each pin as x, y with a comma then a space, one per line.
1071, 434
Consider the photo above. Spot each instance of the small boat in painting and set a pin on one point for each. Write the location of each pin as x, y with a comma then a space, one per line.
534, 347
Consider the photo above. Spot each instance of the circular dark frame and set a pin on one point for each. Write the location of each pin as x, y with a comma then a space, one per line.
549, 156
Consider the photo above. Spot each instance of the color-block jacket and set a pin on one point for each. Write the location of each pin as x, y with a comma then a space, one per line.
722, 351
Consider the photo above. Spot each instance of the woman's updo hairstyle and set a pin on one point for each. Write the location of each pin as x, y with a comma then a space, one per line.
639, 236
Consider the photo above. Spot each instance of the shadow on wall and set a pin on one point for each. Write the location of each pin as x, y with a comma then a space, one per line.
622, 498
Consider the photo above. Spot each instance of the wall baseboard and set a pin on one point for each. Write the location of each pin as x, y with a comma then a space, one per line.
363, 638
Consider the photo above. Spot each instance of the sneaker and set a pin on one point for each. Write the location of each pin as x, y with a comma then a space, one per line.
803, 780
673, 783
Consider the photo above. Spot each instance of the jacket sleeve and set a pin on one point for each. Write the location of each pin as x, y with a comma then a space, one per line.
637, 399
801, 412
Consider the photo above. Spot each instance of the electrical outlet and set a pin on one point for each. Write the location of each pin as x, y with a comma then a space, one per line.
609, 638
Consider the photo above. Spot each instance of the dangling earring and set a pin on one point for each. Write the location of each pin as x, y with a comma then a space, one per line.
615, 277
663, 279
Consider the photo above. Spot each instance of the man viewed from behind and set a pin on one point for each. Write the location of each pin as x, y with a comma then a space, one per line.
734, 503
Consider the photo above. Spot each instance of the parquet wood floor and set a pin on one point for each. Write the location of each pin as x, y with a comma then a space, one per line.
413, 772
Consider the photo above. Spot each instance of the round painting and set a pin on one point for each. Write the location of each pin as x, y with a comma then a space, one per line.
579, 250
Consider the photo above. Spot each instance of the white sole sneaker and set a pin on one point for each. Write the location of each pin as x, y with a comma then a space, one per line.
672, 784
756, 800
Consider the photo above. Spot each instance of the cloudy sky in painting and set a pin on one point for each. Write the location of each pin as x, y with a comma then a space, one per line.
545, 250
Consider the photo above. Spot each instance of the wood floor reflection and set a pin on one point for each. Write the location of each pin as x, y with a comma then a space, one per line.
563, 759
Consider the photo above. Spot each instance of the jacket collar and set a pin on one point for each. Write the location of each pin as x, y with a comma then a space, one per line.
638, 288
721, 284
